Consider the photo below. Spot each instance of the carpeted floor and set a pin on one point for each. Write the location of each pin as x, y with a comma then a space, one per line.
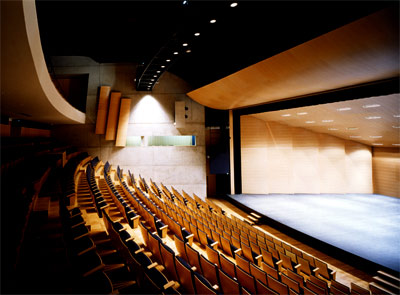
366, 225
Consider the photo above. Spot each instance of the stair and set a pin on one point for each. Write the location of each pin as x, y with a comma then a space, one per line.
385, 283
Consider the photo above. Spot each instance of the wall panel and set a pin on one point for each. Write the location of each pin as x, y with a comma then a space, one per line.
277, 158
254, 156
358, 167
386, 171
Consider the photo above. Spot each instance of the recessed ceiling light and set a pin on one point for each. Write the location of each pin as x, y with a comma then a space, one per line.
377, 143
167, 60
158, 71
188, 51
234, 4
396, 144
396, 116
310, 122
176, 52
163, 66
355, 136
396, 126
302, 113
333, 129
375, 136
343, 109
213, 21
155, 76
286, 115
152, 79
197, 34
184, 44
352, 128
327, 121
367, 106
373, 117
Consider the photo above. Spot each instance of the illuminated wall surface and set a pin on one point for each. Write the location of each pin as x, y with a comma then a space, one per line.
155, 147
277, 158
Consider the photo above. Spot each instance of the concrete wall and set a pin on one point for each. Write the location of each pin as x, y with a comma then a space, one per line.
152, 113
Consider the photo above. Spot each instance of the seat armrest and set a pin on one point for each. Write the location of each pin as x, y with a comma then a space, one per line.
213, 244
333, 273
316, 269
279, 262
154, 264
297, 266
139, 251
194, 268
238, 251
169, 285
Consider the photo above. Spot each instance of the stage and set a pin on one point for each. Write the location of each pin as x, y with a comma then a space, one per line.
363, 229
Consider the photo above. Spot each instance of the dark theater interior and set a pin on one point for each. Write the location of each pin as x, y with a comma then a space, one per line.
200, 147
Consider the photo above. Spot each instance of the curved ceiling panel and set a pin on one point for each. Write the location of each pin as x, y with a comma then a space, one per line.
27, 91
364, 51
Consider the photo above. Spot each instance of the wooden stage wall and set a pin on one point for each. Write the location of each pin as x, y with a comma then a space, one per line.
277, 158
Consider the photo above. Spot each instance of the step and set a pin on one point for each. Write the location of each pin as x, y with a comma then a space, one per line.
255, 215
378, 289
389, 277
386, 284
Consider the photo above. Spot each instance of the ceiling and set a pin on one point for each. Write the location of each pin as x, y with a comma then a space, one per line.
372, 121
135, 31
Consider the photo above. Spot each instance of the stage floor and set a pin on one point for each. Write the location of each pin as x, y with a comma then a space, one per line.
366, 225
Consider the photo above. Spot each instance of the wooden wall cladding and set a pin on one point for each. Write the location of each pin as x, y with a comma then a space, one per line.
113, 112
277, 158
386, 171
123, 122
102, 110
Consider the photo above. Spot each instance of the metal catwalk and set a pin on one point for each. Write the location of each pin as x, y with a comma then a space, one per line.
362, 225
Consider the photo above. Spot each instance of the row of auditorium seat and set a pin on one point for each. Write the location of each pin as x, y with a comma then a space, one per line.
250, 274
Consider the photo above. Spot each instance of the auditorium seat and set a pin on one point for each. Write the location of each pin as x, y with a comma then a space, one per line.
100, 283
227, 266
296, 277
334, 290
292, 284
210, 270
277, 286
307, 291
285, 263
144, 230
203, 286
229, 285
246, 280
154, 246
156, 282
205, 240
243, 263
269, 270
315, 288
323, 270
168, 258
303, 268
193, 257
258, 273
180, 247
228, 248
309, 258
213, 255
250, 254
264, 289
356, 289
320, 283
268, 259
185, 275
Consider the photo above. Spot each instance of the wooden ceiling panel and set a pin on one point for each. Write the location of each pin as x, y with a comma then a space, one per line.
372, 121
363, 51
